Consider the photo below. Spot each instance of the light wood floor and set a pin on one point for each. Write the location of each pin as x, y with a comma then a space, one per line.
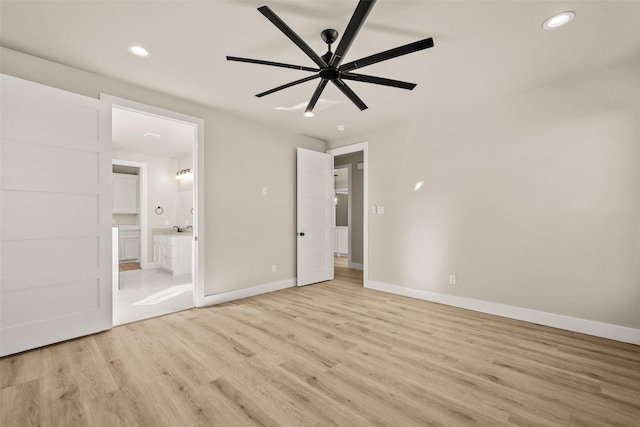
330, 354
128, 266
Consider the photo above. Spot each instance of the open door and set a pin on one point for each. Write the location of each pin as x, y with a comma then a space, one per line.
314, 217
55, 235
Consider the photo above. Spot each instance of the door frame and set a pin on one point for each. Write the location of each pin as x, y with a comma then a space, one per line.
198, 271
354, 148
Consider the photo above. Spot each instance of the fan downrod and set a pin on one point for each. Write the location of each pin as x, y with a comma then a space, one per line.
329, 36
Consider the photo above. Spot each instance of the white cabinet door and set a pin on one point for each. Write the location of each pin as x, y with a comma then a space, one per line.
129, 249
55, 234
129, 245
314, 217
157, 254
125, 193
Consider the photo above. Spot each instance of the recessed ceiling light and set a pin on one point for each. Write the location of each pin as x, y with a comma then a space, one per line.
152, 135
341, 128
138, 50
558, 20
308, 114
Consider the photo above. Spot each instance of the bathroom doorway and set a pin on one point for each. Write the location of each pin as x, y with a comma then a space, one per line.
155, 189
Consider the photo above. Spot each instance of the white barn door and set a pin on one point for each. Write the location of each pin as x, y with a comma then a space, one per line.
55, 216
314, 217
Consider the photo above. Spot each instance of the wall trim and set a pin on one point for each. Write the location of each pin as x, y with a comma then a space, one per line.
589, 327
356, 265
247, 292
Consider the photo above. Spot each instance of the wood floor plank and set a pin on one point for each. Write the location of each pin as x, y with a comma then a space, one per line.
20, 404
329, 354
109, 409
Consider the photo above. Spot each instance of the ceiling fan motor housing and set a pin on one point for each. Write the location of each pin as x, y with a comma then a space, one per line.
329, 73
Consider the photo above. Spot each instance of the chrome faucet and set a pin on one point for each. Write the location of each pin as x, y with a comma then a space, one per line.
187, 227
178, 228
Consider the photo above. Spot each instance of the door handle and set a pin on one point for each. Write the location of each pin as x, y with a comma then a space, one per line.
301, 234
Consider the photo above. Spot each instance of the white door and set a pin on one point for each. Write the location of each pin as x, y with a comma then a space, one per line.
314, 217
55, 230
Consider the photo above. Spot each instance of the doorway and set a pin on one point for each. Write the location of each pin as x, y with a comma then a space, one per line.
350, 215
158, 150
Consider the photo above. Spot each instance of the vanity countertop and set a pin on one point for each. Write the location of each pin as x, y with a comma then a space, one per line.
173, 231
128, 227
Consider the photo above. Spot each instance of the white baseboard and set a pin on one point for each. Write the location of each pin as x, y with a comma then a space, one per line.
589, 327
356, 265
148, 265
247, 292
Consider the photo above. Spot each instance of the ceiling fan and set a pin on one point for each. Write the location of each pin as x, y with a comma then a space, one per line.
330, 67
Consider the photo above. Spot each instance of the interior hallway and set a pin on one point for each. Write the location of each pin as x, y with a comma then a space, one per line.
341, 270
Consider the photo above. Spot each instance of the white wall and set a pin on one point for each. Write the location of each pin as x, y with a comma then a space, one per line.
241, 157
532, 201
257, 231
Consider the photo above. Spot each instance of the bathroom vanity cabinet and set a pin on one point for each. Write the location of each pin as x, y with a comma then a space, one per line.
172, 252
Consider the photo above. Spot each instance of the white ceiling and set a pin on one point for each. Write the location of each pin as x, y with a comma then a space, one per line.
483, 50
129, 129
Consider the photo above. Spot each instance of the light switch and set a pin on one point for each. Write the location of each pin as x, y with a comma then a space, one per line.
380, 210
265, 191
374, 209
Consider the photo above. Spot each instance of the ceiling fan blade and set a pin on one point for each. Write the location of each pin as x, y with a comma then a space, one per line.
378, 80
297, 82
273, 64
349, 93
316, 96
350, 33
275, 20
387, 54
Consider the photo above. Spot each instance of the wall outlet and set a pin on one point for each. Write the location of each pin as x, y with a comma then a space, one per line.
186, 222
452, 279
265, 191
274, 268
166, 222
380, 210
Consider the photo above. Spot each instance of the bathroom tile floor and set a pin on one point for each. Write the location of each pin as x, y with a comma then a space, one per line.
149, 293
